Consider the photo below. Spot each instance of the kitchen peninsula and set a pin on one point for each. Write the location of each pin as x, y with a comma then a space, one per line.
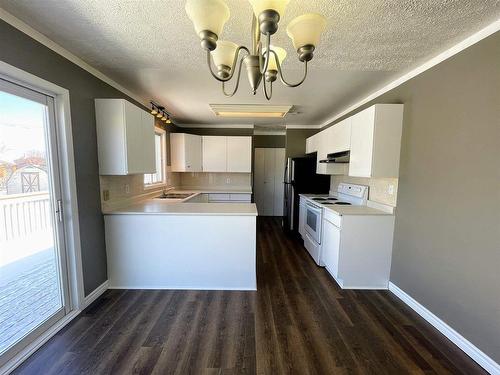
155, 244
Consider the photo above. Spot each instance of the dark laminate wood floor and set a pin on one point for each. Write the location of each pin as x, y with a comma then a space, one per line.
298, 322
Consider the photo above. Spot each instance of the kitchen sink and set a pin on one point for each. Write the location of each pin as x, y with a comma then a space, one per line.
174, 196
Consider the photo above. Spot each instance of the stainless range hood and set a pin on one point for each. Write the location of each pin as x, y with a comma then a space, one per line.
337, 157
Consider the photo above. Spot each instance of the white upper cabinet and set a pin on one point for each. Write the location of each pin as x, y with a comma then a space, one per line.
312, 143
125, 138
376, 141
185, 152
373, 137
227, 154
214, 154
336, 138
239, 154
148, 142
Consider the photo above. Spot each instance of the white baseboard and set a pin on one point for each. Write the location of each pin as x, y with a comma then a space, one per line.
95, 294
20, 357
472, 351
174, 287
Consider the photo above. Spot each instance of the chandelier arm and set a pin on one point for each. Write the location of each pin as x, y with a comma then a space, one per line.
237, 82
270, 94
278, 65
265, 54
235, 61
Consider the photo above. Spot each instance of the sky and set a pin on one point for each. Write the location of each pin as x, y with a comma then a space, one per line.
21, 126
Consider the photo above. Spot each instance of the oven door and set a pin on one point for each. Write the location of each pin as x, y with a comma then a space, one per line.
312, 222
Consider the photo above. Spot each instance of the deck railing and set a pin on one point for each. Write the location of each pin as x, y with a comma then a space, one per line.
24, 214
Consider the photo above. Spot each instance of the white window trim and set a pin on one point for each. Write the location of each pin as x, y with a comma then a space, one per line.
70, 204
164, 181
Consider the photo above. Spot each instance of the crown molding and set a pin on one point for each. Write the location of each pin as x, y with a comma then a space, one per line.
39, 37
450, 52
216, 126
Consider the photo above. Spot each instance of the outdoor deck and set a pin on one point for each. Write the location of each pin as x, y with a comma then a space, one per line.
29, 297
29, 285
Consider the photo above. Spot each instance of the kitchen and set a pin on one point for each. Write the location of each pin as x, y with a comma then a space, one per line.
181, 195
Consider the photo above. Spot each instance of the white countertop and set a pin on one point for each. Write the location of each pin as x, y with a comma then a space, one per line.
346, 210
159, 207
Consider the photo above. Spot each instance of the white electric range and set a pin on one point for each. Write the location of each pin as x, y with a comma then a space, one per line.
347, 195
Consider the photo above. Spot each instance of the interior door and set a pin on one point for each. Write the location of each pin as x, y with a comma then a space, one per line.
269, 164
279, 187
259, 163
33, 274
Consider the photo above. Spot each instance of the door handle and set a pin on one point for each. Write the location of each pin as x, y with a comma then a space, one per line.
59, 210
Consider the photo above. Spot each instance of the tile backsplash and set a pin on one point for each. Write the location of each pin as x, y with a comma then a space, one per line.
123, 190
379, 187
192, 180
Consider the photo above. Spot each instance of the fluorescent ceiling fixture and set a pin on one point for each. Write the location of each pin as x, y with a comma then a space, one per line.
250, 110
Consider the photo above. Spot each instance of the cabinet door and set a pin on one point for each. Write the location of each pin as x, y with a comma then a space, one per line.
331, 247
148, 143
279, 176
214, 154
362, 131
312, 144
177, 152
239, 154
133, 124
192, 144
342, 136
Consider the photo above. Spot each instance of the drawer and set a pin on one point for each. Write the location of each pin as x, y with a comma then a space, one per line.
332, 217
238, 197
218, 197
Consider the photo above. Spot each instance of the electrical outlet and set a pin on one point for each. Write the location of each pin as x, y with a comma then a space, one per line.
390, 189
105, 195
127, 189
228, 180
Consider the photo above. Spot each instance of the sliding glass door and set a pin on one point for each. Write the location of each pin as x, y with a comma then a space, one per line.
33, 273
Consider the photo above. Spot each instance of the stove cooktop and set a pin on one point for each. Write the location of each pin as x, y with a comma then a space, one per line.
338, 203
321, 199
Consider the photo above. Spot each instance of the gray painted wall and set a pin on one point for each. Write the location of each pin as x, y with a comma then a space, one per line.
269, 141
19, 50
296, 141
447, 237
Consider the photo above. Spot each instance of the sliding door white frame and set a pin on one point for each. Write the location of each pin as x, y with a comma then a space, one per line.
69, 198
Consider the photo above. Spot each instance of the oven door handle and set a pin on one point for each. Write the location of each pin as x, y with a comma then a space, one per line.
314, 207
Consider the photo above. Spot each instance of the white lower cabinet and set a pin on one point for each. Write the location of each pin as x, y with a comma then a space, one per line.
229, 197
356, 249
331, 247
302, 216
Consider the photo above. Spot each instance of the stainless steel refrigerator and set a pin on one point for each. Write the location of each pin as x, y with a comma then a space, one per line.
300, 178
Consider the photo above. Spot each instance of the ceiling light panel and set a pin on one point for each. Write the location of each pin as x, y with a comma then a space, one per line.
250, 110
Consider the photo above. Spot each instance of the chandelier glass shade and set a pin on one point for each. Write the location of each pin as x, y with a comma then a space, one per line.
262, 60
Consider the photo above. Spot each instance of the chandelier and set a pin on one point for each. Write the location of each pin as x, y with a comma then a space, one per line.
263, 61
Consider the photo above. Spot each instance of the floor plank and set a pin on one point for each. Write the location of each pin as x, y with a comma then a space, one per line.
298, 322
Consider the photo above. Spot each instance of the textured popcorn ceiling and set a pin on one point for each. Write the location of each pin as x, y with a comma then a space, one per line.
150, 47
